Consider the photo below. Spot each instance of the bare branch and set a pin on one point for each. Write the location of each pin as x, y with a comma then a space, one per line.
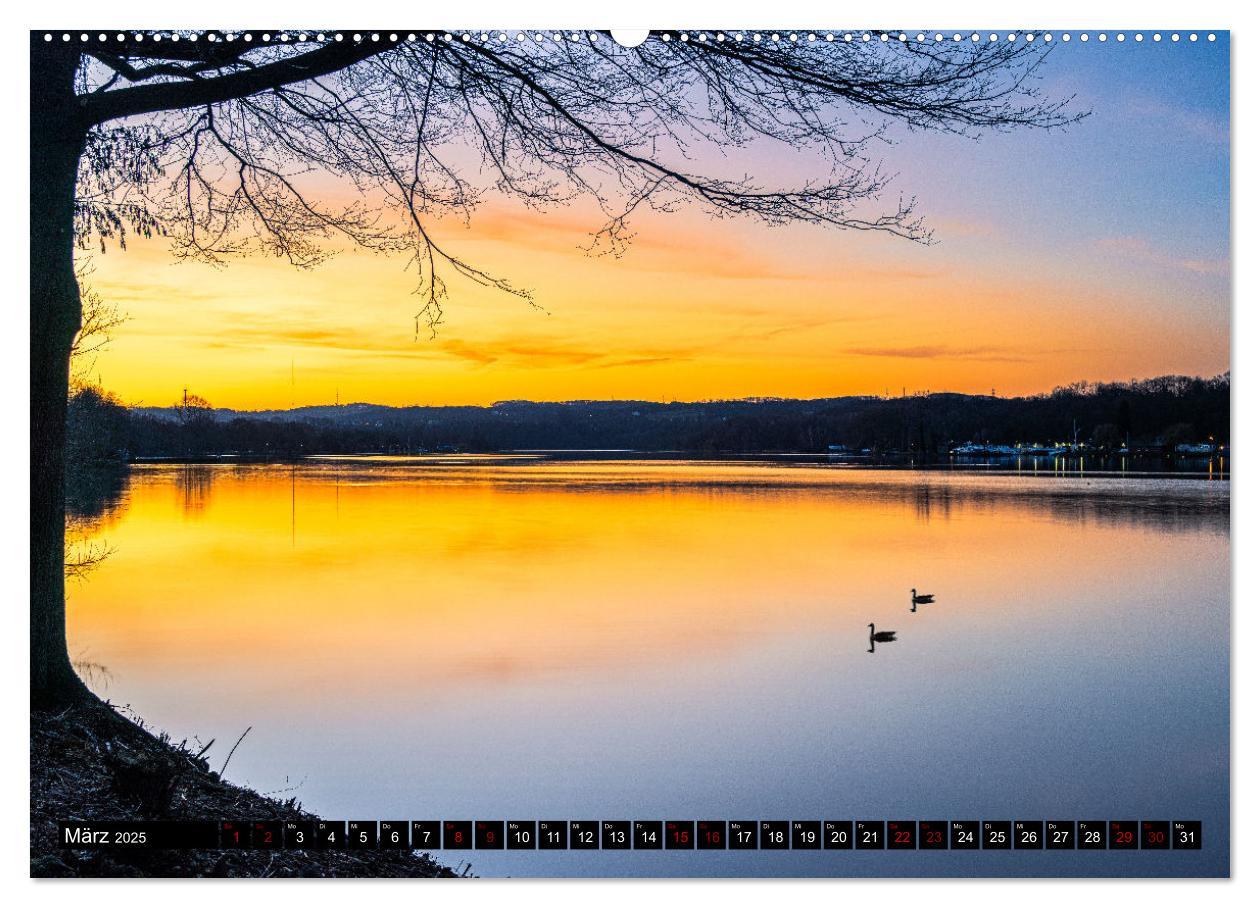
226, 148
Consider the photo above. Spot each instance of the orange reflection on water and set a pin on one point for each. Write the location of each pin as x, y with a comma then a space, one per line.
525, 636
339, 575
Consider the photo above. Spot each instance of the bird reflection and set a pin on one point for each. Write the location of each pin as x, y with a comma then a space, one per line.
880, 637
917, 599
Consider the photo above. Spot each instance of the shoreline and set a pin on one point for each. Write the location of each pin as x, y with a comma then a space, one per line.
89, 762
1026, 467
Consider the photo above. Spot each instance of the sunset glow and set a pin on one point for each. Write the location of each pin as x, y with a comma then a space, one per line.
1095, 253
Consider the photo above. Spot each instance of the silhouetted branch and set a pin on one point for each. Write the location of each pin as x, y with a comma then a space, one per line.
223, 769
236, 143
84, 557
99, 319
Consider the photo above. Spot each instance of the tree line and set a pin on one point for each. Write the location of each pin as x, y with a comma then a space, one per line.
1153, 413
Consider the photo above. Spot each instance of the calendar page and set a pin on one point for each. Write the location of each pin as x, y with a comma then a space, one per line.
546, 452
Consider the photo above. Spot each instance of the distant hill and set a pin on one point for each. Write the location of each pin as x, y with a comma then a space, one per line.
1158, 412
364, 414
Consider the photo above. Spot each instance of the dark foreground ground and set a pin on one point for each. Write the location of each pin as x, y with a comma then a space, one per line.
90, 763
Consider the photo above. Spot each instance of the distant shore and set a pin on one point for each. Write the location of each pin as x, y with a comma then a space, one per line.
1027, 466
1153, 418
90, 762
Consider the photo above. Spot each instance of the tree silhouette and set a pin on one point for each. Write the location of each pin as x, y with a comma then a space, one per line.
221, 143
97, 320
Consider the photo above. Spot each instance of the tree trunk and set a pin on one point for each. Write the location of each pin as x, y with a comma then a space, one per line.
57, 141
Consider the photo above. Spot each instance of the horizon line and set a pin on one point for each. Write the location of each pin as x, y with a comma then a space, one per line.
769, 398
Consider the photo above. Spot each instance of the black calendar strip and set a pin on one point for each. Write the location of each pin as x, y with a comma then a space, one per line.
642, 835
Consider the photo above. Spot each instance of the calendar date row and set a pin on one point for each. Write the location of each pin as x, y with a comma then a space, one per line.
643, 835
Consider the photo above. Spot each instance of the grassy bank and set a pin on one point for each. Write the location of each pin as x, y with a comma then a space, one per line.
90, 763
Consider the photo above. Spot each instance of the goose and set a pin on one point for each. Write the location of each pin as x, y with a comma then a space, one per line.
880, 637
916, 599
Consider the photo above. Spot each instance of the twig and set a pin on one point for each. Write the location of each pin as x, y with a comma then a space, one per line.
233, 750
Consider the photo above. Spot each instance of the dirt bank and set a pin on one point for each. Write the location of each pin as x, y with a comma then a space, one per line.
90, 763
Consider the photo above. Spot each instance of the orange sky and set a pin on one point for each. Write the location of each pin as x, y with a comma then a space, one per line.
697, 309
1100, 252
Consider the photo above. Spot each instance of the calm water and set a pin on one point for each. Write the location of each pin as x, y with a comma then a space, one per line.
508, 638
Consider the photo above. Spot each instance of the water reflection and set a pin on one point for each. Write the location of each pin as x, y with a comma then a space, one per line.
96, 675
477, 636
94, 498
933, 500
194, 481
555, 554
94, 494
1156, 501
1213, 468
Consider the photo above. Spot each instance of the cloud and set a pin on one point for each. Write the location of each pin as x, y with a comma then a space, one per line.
471, 352
1206, 266
683, 244
940, 351
1139, 249
254, 332
1174, 119
641, 361
529, 353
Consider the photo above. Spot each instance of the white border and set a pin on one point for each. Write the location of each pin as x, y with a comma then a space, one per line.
808, 14
87, 37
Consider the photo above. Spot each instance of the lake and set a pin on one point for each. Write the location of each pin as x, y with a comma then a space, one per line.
524, 637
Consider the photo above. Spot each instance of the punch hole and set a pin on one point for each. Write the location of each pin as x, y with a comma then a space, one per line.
630, 37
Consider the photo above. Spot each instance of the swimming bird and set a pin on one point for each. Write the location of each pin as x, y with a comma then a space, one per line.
916, 599
880, 637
